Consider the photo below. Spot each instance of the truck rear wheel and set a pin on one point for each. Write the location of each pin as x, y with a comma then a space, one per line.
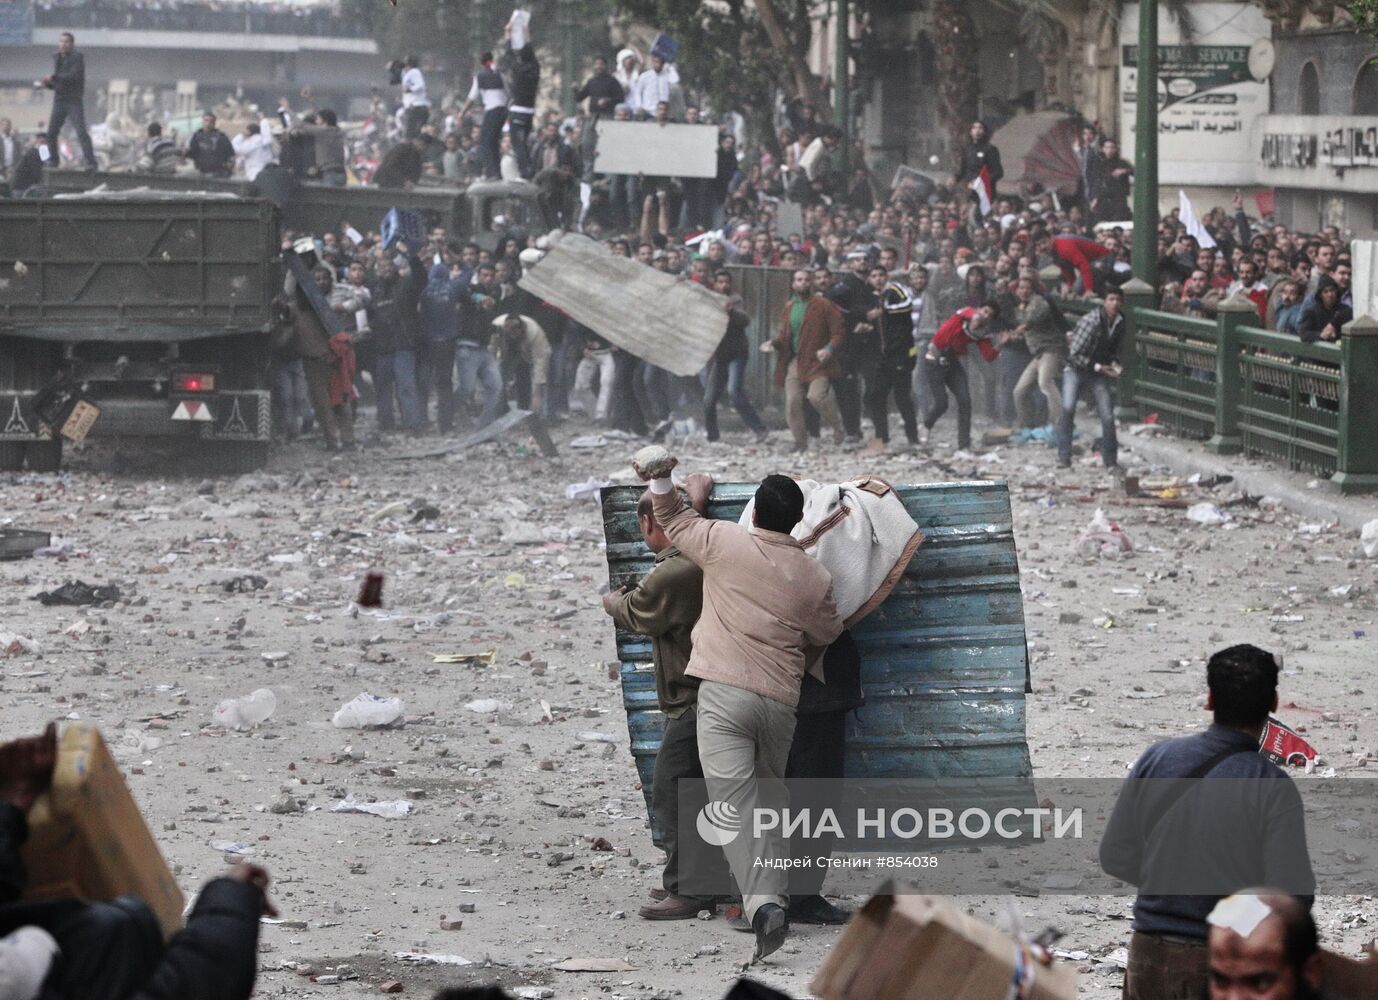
44, 456
232, 458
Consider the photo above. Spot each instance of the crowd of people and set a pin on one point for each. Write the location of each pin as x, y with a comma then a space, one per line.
890, 290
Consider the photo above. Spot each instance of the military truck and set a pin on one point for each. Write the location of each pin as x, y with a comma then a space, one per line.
470, 213
137, 315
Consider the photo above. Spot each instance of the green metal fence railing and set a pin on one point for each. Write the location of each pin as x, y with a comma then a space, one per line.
1242, 388
1174, 367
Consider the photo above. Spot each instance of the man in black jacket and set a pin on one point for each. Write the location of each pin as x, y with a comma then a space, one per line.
401, 165
976, 154
28, 172
210, 149
1110, 182
727, 369
393, 330
892, 373
68, 84
114, 951
861, 310
523, 77
602, 90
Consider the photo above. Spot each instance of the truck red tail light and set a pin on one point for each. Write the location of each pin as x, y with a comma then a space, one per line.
193, 382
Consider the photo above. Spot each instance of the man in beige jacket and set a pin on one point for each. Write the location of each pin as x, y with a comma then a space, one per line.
767, 609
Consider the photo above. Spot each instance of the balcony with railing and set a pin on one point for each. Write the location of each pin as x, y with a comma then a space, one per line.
214, 18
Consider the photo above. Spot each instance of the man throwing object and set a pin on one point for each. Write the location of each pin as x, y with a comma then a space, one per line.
767, 608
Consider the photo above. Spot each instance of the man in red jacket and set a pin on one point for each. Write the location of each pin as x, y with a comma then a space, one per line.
811, 332
1074, 255
942, 366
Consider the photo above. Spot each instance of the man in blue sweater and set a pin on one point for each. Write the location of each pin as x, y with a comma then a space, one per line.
1187, 843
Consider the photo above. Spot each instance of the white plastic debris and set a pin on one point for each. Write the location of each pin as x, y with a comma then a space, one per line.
1368, 538
232, 847
13, 644
587, 490
485, 706
1105, 538
1206, 512
420, 959
592, 737
137, 740
253, 709
394, 809
368, 711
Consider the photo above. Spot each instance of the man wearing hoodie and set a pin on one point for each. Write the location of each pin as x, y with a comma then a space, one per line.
626, 73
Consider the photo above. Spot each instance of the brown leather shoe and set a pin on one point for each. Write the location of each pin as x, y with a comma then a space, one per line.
659, 894
674, 908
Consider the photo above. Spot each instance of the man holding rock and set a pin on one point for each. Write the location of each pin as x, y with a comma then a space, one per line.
767, 605
665, 606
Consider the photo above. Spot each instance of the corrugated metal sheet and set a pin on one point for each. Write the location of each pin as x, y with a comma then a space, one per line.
660, 318
944, 660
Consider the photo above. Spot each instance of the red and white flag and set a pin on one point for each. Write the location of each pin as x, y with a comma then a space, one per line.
985, 190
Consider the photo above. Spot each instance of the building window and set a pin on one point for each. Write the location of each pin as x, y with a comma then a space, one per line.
1366, 90
1309, 91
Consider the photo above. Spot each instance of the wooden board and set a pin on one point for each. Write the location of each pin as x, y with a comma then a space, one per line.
944, 659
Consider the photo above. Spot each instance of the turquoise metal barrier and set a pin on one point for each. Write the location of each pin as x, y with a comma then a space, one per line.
944, 659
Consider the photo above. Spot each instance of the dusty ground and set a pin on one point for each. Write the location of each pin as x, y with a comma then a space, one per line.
501, 799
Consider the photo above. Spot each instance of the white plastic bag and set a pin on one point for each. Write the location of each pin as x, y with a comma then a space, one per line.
1206, 512
394, 809
1104, 538
1368, 538
368, 711
254, 708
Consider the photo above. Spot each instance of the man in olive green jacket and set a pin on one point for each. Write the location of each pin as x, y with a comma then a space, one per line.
665, 605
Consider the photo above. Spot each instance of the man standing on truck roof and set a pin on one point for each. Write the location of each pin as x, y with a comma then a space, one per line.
416, 105
68, 84
210, 149
524, 72
488, 90
255, 147
324, 130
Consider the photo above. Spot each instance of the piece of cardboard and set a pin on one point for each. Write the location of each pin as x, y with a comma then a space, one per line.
87, 838
910, 947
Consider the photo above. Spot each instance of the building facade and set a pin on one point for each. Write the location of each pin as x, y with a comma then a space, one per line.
1318, 149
